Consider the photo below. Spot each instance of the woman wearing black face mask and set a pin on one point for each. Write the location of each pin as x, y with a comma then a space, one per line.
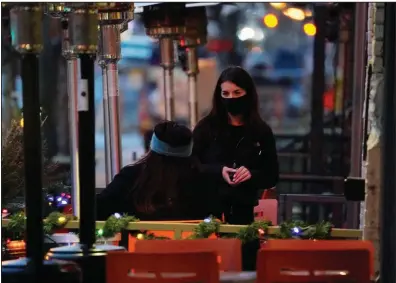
236, 148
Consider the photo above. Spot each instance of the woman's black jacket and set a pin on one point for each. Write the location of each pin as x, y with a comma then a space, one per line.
116, 198
256, 151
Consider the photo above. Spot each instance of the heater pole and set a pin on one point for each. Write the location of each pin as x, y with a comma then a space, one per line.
168, 64
26, 23
83, 34
27, 39
165, 22
72, 91
196, 33
112, 17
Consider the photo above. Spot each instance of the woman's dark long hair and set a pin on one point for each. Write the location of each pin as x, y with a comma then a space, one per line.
162, 176
242, 79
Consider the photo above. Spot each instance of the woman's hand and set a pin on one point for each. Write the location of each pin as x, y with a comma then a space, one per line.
242, 174
228, 175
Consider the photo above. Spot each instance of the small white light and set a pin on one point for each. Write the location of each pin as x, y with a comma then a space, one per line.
246, 33
64, 202
117, 215
59, 199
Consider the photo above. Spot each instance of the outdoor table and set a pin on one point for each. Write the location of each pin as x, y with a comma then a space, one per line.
225, 276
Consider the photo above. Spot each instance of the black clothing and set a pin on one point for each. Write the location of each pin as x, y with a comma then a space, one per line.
219, 145
116, 197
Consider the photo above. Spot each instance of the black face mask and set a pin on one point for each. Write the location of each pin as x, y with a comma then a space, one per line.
236, 106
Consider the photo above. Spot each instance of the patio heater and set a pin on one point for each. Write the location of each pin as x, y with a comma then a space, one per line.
196, 33
83, 40
113, 17
58, 10
165, 22
27, 39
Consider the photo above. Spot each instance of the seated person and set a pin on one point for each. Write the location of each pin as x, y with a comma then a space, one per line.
163, 185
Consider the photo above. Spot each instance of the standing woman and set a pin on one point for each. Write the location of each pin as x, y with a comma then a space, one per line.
236, 148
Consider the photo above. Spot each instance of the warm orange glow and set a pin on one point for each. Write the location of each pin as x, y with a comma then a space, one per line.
278, 5
270, 20
16, 245
295, 14
308, 13
310, 29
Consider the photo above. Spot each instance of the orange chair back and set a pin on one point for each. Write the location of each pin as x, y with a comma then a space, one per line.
228, 250
267, 209
181, 267
325, 245
314, 261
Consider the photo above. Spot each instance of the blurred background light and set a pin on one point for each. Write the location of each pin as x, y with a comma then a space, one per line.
270, 20
310, 29
278, 5
294, 14
246, 33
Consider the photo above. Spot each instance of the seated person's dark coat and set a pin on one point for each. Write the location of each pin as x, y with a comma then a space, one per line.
187, 202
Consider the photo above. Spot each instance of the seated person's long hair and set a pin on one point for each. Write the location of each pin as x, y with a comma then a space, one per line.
162, 176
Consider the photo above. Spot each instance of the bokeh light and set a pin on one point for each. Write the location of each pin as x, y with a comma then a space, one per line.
294, 14
278, 5
310, 29
270, 20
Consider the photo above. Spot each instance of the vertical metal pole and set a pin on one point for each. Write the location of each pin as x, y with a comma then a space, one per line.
193, 100
26, 27
318, 87
83, 38
86, 141
112, 21
72, 91
388, 152
359, 63
166, 21
196, 33
114, 118
167, 63
106, 123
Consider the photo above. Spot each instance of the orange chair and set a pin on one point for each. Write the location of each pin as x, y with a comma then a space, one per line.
228, 250
314, 261
267, 209
125, 267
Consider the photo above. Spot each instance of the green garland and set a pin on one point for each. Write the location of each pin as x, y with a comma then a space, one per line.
115, 224
258, 230
54, 221
255, 231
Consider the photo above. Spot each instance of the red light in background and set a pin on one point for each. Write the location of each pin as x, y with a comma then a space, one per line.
219, 45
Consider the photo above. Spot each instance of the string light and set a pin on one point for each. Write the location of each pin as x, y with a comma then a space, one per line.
100, 232
140, 236
62, 220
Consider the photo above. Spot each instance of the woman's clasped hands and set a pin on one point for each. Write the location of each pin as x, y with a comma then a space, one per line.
236, 176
